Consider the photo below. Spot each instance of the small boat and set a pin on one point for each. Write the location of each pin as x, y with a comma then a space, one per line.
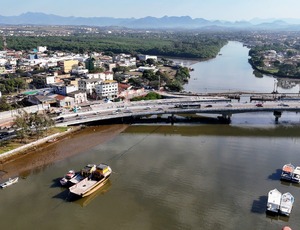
92, 183
9, 182
72, 177
296, 175
286, 204
274, 199
52, 140
69, 175
287, 172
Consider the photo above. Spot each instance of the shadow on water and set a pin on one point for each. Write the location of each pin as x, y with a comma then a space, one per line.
65, 195
275, 175
276, 216
56, 183
259, 205
83, 202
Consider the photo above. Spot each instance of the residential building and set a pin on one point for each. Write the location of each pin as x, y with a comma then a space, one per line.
63, 89
107, 89
88, 85
79, 97
67, 65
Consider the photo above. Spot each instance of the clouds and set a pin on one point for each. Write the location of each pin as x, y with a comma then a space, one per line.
214, 9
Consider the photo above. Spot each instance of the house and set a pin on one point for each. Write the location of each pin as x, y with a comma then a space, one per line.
63, 101
79, 97
143, 57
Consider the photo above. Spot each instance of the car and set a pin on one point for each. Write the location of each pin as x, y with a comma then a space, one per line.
208, 106
127, 111
259, 105
160, 109
284, 105
228, 105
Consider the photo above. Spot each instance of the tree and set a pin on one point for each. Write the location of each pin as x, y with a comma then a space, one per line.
31, 124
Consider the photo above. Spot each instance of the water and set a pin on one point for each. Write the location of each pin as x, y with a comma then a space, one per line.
231, 72
195, 176
165, 177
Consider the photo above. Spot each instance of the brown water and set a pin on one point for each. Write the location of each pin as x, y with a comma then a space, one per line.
165, 177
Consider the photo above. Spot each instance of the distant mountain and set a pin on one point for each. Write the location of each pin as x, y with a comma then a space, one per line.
172, 22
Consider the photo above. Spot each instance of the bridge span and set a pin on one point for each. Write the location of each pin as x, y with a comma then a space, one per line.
222, 107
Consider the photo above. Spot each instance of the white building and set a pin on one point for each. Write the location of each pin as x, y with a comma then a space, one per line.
88, 85
107, 89
144, 57
42, 49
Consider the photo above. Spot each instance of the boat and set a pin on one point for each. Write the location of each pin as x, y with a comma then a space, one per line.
93, 182
286, 204
287, 172
69, 175
52, 140
274, 199
296, 175
72, 177
9, 182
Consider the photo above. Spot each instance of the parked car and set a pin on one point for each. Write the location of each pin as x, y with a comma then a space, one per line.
259, 105
228, 105
208, 106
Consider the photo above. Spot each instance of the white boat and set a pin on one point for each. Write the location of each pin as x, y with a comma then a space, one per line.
286, 204
296, 175
287, 172
9, 182
93, 182
274, 199
72, 177
69, 175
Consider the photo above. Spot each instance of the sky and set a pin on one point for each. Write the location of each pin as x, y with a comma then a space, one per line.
230, 10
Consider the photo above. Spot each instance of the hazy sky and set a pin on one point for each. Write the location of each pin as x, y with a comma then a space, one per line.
231, 10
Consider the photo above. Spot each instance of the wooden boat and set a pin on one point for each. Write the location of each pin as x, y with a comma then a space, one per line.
296, 175
286, 204
9, 182
93, 182
274, 199
287, 172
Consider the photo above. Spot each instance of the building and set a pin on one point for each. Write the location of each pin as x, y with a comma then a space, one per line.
143, 57
67, 65
107, 89
88, 85
64, 89
79, 97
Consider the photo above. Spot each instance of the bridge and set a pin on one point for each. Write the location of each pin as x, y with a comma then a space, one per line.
222, 107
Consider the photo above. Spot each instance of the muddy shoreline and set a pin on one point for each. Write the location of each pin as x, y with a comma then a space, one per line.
71, 144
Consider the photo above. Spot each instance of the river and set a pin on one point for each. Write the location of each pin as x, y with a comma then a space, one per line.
195, 176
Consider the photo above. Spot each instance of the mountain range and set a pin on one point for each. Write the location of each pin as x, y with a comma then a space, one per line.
166, 22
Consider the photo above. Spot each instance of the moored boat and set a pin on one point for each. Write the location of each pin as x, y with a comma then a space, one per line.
286, 204
296, 175
274, 199
9, 182
72, 177
287, 172
69, 175
93, 182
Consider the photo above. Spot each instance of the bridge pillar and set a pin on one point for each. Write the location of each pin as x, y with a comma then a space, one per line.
277, 115
225, 117
172, 119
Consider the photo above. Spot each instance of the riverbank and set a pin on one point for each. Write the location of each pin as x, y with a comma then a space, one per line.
71, 143
22, 150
